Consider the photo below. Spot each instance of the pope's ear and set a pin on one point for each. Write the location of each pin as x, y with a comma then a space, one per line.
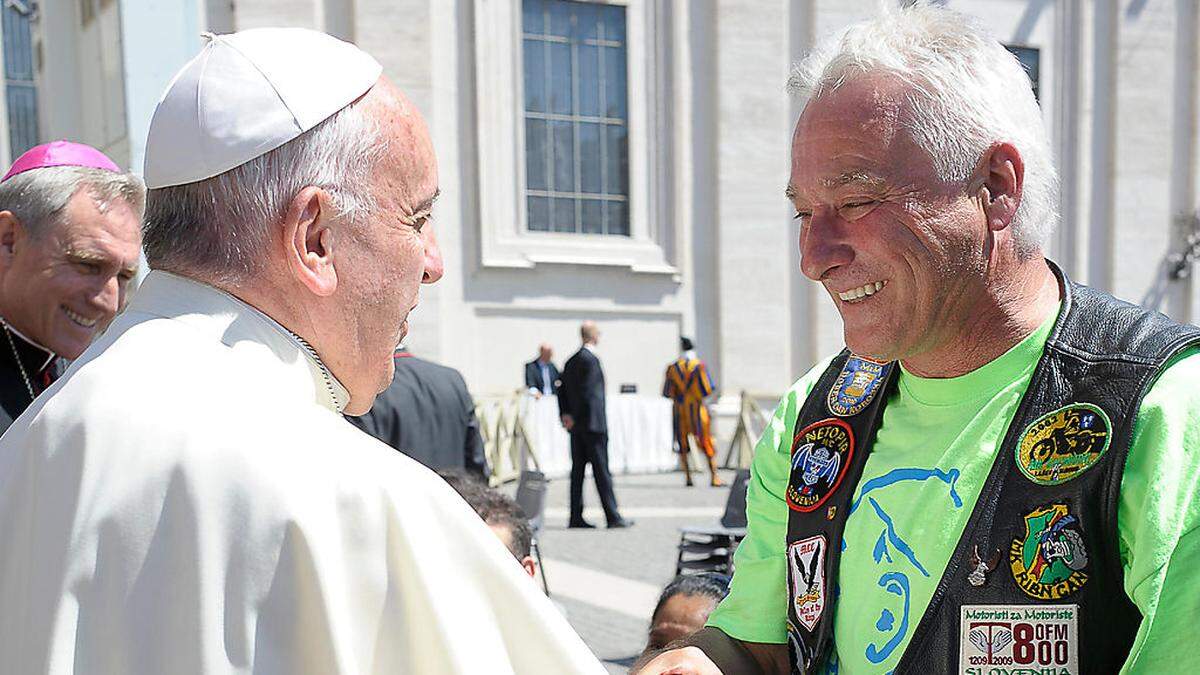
308, 241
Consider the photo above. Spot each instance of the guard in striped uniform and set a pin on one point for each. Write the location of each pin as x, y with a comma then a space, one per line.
687, 384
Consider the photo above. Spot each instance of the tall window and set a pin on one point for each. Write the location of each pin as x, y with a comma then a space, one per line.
576, 117
19, 89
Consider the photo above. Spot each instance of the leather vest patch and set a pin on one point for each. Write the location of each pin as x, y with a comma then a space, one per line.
1049, 561
821, 454
1063, 443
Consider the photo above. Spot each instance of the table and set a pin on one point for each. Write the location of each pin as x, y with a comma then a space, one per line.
639, 434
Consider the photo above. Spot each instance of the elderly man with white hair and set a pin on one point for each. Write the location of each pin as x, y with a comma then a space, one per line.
999, 474
70, 231
188, 497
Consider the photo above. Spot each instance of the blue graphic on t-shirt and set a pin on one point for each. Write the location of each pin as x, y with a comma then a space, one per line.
891, 541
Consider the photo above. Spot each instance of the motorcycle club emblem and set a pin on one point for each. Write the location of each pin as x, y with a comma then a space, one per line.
855, 387
1048, 561
806, 577
821, 454
1062, 444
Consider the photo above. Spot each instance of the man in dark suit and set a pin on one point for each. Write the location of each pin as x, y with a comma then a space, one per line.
427, 413
581, 405
541, 375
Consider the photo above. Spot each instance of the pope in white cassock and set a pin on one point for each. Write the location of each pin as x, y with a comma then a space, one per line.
188, 498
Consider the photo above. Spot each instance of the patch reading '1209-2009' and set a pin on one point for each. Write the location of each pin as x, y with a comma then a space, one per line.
821, 454
1064, 443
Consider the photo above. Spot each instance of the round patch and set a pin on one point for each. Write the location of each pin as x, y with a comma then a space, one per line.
821, 454
1062, 444
855, 387
1048, 561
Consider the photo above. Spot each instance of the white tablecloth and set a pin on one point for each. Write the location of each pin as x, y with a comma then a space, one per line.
639, 434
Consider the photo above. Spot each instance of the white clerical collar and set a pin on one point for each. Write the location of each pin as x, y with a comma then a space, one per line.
50, 355
176, 297
590, 347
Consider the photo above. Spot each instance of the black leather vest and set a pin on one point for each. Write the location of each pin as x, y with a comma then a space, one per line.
1035, 582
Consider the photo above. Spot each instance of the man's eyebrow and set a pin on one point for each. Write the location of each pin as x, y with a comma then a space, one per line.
789, 192
79, 256
428, 203
851, 178
91, 257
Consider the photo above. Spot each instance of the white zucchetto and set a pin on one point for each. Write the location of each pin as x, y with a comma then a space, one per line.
247, 93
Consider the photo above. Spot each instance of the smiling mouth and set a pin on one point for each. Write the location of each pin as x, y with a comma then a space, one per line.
79, 319
855, 295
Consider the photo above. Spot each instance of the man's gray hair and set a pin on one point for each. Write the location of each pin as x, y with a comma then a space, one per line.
965, 93
37, 197
219, 227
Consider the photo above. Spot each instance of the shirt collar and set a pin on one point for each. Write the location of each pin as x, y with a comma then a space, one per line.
235, 322
590, 347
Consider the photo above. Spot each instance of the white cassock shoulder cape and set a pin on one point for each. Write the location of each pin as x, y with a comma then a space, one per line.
188, 499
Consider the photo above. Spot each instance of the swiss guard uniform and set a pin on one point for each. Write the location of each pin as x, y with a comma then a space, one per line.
26, 369
687, 384
1036, 515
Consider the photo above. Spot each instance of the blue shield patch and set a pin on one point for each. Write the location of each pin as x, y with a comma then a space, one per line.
856, 386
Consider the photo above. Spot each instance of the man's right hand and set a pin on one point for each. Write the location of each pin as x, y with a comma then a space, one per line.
683, 661
568, 422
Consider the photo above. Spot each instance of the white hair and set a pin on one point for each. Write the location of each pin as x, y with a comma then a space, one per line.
966, 92
38, 197
219, 227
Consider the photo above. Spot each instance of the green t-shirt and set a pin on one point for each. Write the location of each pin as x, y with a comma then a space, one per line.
933, 451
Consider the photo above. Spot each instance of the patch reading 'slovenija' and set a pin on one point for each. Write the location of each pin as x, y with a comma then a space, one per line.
821, 454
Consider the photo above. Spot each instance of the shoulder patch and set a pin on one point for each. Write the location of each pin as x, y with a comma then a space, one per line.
1049, 559
855, 387
821, 454
1063, 443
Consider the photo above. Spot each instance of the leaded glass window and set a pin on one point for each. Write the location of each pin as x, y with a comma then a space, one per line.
576, 117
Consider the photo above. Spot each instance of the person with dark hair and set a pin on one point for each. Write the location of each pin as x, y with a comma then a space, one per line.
500, 512
687, 383
682, 609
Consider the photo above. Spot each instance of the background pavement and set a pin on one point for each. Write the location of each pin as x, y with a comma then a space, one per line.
609, 580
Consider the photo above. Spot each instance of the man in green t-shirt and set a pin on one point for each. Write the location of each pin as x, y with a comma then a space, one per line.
925, 194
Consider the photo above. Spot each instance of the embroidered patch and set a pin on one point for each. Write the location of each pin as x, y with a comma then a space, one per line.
806, 576
1011, 639
1062, 444
821, 453
1048, 561
855, 387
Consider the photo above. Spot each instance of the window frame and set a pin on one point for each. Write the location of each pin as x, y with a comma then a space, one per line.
505, 240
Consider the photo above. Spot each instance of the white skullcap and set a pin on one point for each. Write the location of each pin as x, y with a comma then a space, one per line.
248, 93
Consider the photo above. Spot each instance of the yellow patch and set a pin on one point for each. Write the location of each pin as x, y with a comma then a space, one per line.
1062, 444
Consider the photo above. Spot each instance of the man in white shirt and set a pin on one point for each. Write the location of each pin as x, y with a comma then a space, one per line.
188, 497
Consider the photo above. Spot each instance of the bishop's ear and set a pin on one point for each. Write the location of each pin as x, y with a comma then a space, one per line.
1003, 175
10, 234
308, 239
